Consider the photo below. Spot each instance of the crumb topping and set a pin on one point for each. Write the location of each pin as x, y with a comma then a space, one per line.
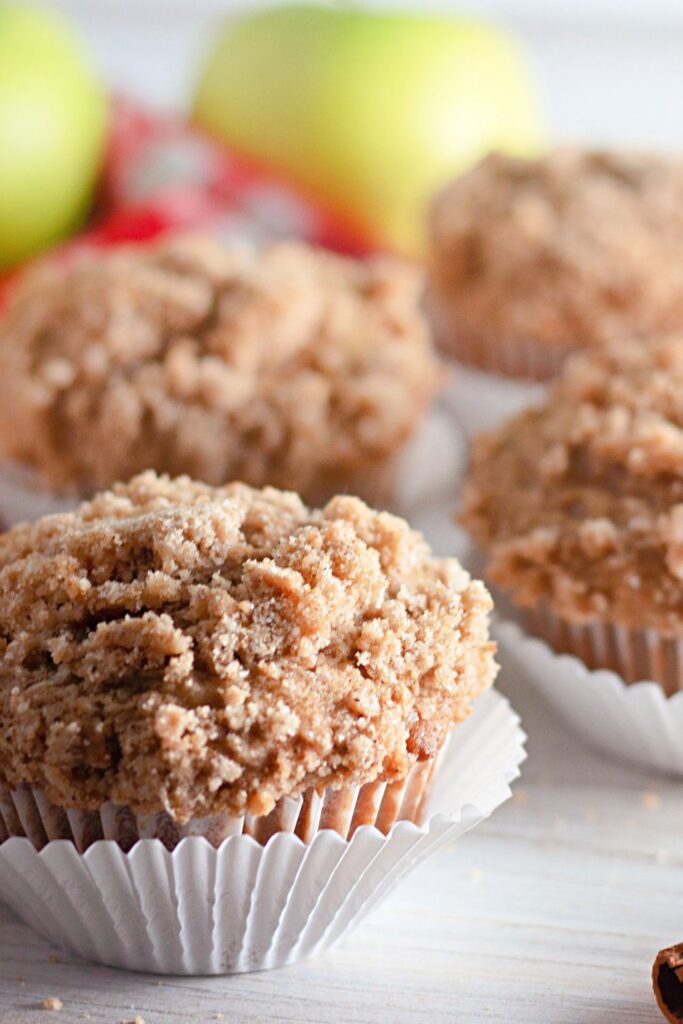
177, 647
568, 250
293, 367
580, 501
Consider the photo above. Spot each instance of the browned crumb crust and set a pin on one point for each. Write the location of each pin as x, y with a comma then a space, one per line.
579, 502
295, 367
173, 646
565, 251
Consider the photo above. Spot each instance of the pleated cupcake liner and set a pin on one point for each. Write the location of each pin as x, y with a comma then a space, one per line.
512, 358
493, 378
619, 689
636, 655
28, 812
244, 905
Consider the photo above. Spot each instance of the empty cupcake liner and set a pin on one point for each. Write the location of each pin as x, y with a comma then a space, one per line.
618, 710
28, 812
246, 906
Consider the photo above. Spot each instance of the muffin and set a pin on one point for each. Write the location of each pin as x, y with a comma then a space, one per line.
177, 659
577, 506
534, 259
291, 367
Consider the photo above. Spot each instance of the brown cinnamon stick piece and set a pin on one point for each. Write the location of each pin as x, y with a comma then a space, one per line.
667, 981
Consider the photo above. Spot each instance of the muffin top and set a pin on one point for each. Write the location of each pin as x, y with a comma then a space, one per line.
292, 367
567, 250
176, 647
579, 502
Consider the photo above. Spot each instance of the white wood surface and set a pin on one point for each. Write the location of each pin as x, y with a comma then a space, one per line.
549, 912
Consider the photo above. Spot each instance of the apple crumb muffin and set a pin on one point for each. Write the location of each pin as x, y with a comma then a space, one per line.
577, 506
532, 259
292, 367
195, 650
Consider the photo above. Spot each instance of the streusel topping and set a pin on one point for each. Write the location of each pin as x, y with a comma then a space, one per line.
579, 502
568, 250
293, 367
173, 646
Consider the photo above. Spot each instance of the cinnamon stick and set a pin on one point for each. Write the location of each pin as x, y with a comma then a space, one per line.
667, 981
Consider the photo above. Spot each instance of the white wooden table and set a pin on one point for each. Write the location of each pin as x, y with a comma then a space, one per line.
549, 912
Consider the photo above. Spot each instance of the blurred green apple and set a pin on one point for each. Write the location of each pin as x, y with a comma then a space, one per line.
52, 130
372, 112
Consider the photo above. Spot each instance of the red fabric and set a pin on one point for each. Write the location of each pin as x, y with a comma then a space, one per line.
162, 175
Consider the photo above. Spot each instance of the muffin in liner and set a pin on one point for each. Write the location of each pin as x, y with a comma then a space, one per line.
287, 366
532, 260
618, 688
246, 906
576, 508
183, 665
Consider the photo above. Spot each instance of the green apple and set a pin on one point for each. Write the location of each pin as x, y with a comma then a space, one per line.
52, 130
372, 112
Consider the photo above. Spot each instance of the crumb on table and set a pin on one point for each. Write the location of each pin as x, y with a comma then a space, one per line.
53, 1003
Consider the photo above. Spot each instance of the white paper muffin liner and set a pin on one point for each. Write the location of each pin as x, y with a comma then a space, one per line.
512, 358
517, 358
634, 654
28, 812
426, 465
244, 906
632, 721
